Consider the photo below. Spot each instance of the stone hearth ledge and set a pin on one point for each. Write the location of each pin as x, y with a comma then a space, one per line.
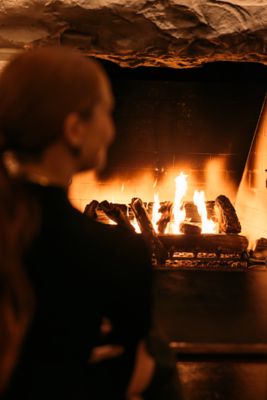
131, 33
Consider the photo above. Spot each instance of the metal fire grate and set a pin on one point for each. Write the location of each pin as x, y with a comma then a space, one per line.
204, 251
206, 260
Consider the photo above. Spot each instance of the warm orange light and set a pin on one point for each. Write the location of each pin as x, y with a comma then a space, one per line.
155, 212
86, 187
111, 222
208, 226
136, 226
178, 211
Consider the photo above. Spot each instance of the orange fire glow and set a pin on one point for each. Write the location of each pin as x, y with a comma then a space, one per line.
252, 194
155, 213
135, 225
178, 210
208, 226
86, 188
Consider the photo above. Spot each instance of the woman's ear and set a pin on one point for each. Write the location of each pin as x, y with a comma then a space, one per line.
73, 132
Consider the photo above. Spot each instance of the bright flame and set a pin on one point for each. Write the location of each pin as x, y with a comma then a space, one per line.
136, 226
178, 211
252, 194
86, 187
208, 226
155, 212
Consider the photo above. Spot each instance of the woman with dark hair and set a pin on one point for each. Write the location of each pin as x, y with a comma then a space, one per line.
89, 334
55, 119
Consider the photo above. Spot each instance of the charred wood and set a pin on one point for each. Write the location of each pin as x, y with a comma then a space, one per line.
226, 215
261, 245
102, 217
115, 213
93, 211
190, 229
260, 251
191, 212
166, 213
207, 242
210, 204
149, 207
90, 209
146, 227
142, 217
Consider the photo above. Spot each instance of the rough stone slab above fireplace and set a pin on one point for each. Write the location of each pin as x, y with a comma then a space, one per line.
171, 33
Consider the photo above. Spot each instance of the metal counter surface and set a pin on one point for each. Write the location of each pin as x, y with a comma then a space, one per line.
212, 308
228, 380
216, 321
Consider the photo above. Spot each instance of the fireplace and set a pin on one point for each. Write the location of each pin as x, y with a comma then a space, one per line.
199, 124
171, 117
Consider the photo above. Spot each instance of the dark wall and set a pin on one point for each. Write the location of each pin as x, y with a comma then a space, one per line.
166, 118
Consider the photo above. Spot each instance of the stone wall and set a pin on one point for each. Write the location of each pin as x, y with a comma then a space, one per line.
173, 33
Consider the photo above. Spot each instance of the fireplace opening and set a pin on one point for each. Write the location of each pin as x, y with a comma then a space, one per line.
178, 128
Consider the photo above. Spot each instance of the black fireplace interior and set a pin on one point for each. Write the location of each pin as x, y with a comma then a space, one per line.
166, 118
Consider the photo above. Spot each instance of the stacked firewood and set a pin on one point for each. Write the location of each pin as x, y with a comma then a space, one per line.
157, 248
221, 210
106, 212
226, 215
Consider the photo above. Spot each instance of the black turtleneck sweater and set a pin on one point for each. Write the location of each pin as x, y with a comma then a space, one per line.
81, 271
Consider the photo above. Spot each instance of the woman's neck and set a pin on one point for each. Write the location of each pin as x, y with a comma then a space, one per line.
55, 167
47, 174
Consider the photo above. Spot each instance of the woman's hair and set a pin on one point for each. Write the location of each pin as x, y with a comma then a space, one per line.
37, 94
38, 90
19, 221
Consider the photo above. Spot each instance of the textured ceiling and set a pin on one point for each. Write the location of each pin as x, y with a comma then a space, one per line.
173, 33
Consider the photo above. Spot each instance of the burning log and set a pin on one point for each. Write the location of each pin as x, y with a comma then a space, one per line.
191, 211
261, 245
90, 209
210, 204
102, 217
142, 217
227, 218
190, 229
260, 251
145, 224
115, 213
166, 211
93, 211
206, 242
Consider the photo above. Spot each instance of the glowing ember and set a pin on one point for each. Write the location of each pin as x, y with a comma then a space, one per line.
208, 226
155, 213
178, 211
